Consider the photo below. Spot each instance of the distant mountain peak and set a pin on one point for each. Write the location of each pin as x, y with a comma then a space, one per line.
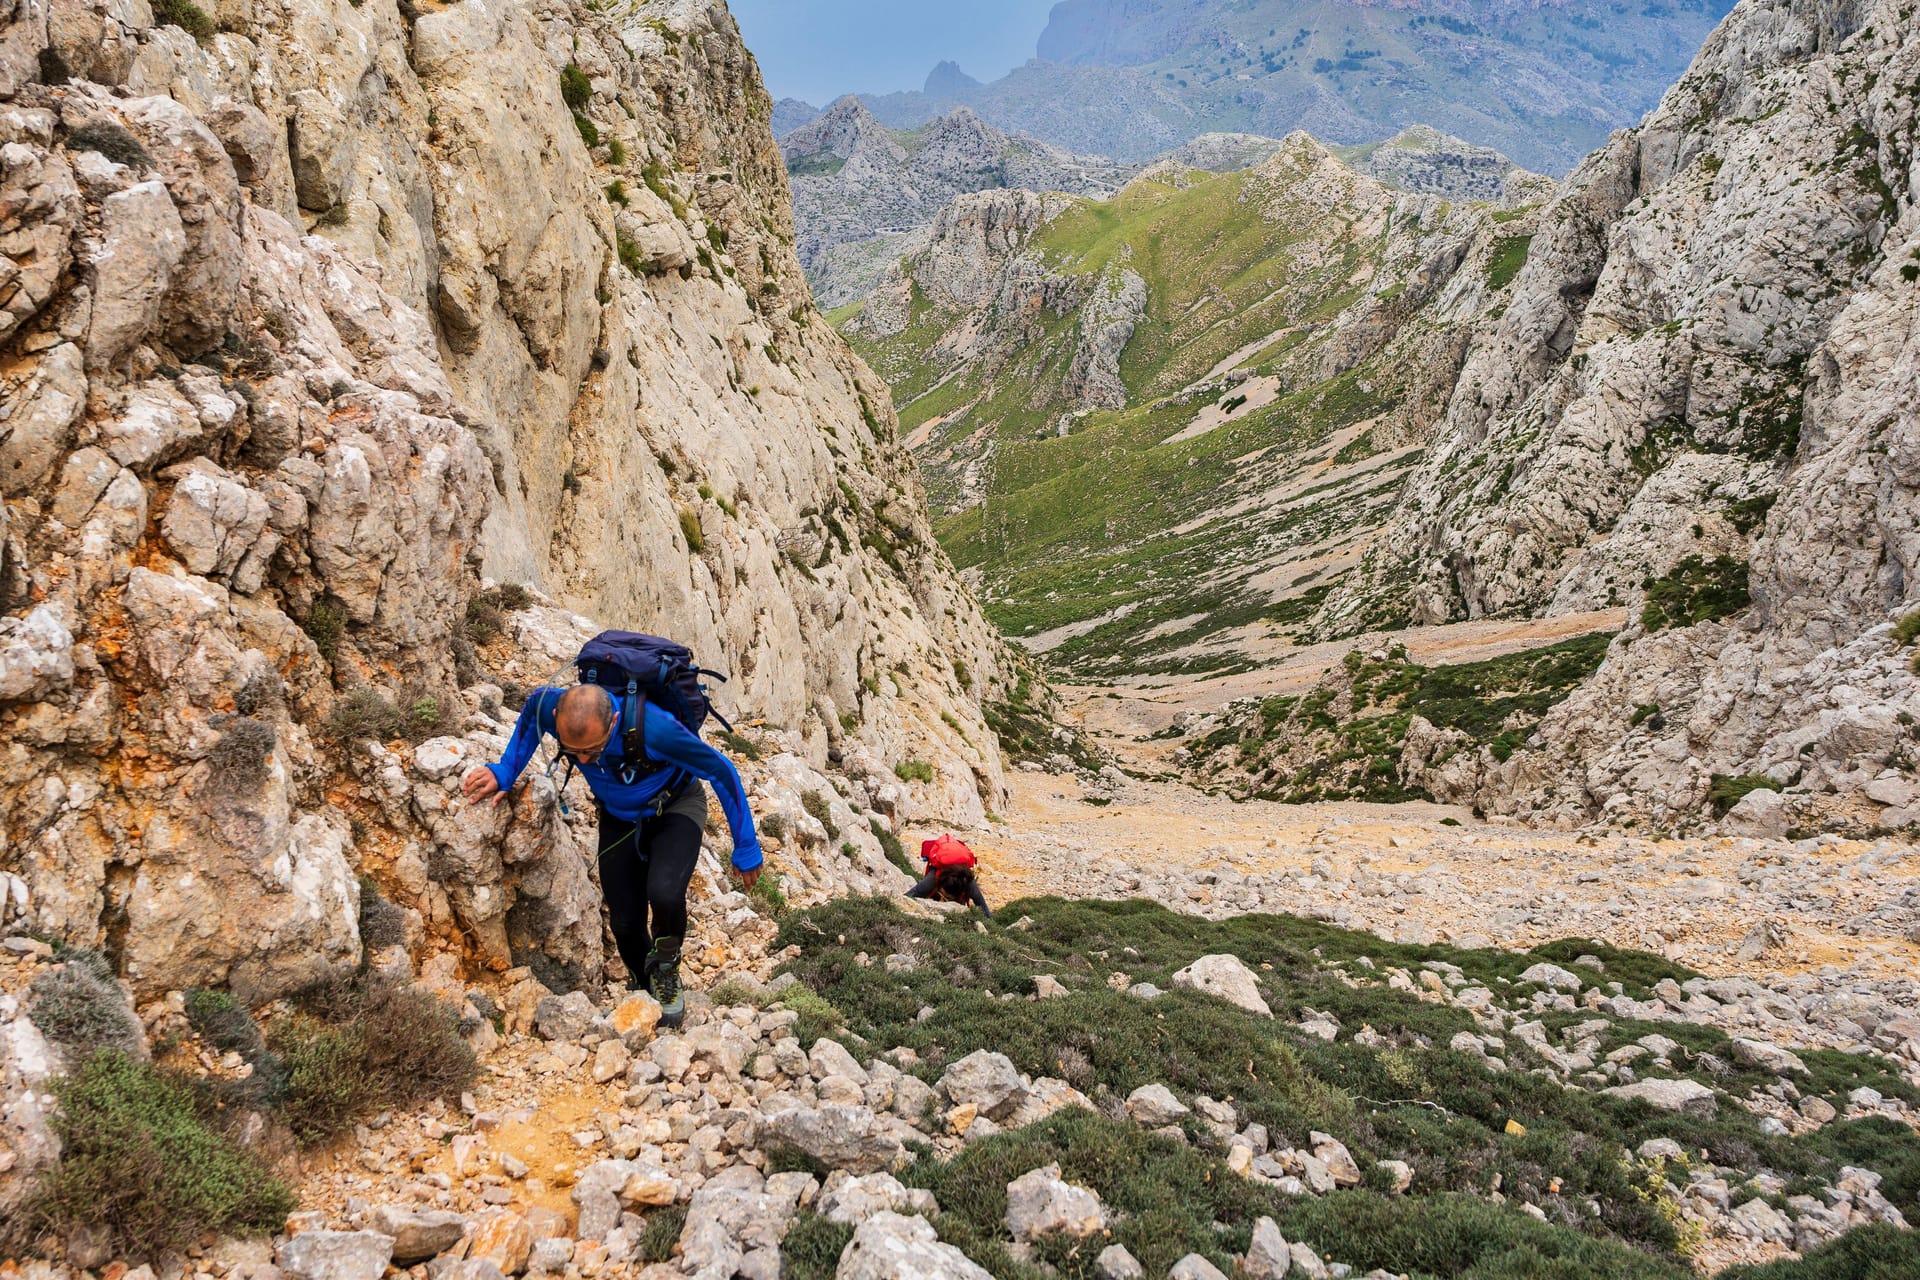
947, 80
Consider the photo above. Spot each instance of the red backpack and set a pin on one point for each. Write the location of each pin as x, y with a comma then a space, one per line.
944, 852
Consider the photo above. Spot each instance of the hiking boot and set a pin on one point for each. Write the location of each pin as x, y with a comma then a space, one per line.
663, 979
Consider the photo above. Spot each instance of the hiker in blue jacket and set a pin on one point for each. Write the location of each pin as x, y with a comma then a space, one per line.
652, 811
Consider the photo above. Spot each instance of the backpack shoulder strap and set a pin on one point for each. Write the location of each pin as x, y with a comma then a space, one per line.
633, 727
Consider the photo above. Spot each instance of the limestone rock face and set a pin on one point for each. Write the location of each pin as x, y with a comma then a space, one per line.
308, 327
1708, 361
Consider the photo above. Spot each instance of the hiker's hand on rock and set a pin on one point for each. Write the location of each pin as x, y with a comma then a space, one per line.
479, 784
748, 877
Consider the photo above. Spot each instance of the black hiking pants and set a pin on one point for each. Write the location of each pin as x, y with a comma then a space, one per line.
645, 868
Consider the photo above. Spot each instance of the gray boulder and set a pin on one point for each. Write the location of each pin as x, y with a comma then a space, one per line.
1226, 977
888, 1246
563, 1017
1689, 1096
418, 1236
1115, 1263
987, 1080
1153, 1105
1041, 1203
336, 1255
1195, 1267
838, 1135
1268, 1256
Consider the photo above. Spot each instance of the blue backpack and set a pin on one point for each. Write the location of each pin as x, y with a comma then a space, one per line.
648, 669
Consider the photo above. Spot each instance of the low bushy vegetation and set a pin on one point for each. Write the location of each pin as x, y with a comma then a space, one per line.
913, 771
1695, 590
368, 713
357, 1045
487, 610
1406, 1096
80, 1009
1343, 739
147, 1154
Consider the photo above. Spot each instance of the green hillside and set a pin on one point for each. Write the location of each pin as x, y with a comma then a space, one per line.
1248, 458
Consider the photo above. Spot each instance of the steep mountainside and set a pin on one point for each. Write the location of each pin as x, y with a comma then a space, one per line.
1166, 418
1700, 403
860, 189
306, 322
1131, 78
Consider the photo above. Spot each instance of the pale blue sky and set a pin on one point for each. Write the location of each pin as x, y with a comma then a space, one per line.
820, 49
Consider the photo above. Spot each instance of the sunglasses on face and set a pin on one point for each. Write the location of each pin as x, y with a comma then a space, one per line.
587, 755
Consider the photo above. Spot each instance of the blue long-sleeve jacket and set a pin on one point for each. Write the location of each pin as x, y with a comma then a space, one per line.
671, 751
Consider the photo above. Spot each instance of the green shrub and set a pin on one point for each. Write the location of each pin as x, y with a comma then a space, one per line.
617, 192
1726, 791
487, 610
821, 810
238, 761
616, 153
589, 131
1907, 629
739, 744
1875, 1252
1405, 1098
113, 142
812, 1248
357, 1045
661, 1233
1695, 590
141, 1155
770, 893
80, 1008
325, 624
365, 713
186, 15
913, 771
576, 90
891, 846
818, 1016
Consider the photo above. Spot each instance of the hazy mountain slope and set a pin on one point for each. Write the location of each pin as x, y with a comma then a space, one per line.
1150, 422
1544, 83
859, 189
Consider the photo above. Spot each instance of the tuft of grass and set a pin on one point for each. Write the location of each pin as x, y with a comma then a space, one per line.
1695, 590
661, 1233
690, 530
1728, 790
1907, 629
913, 771
813, 1247
382, 924
891, 846
80, 1008
739, 744
576, 90
617, 192
142, 1153
357, 1045
589, 131
487, 610
770, 893
820, 809
818, 1016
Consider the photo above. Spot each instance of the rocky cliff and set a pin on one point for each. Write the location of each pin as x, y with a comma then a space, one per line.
313, 313
1700, 402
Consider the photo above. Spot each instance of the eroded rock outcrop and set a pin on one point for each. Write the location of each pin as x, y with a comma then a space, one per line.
1706, 372
306, 325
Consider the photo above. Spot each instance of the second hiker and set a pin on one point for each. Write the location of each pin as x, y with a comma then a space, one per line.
950, 874
645, 767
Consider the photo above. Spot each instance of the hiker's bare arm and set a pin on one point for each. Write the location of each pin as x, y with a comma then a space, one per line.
748, 876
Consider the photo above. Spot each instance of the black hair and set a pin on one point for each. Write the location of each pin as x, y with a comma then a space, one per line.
953, 884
